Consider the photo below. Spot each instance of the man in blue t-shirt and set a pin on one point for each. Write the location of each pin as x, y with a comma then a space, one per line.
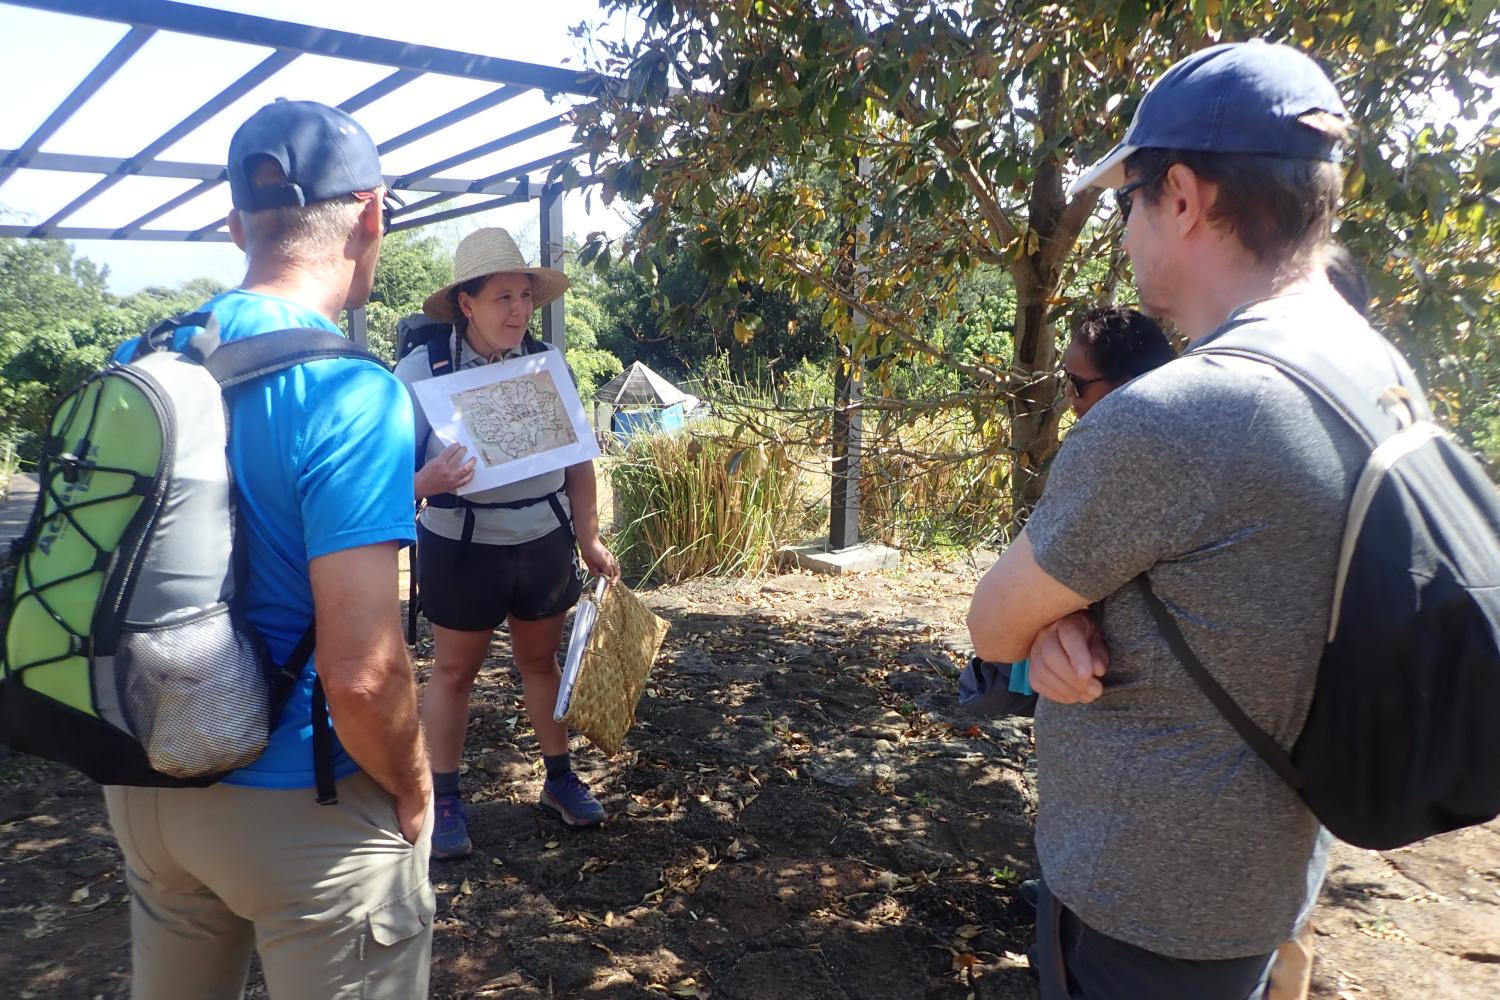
335, 898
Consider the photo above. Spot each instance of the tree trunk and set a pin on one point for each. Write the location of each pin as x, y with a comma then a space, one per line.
1034, 410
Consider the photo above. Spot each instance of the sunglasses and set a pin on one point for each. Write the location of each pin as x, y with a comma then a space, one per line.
1124, 192
1079, 383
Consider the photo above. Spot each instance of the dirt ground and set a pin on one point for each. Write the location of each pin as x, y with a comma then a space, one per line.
801, 813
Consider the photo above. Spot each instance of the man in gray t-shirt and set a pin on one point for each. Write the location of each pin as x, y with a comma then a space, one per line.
1174, 861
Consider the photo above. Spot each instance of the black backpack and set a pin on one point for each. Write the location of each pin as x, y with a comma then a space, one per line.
1402, 740
418, 331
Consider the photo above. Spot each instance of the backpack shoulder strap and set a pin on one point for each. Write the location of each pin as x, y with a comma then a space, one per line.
238, 361
1300, 360
439, 358
1259, 740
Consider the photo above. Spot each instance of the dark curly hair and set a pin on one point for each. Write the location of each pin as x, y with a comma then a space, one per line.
1122, 343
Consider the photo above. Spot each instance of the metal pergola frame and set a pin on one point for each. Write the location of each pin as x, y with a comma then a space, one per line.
424, 190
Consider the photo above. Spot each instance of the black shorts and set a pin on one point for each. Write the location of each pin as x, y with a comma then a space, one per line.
1073, 960
474, 587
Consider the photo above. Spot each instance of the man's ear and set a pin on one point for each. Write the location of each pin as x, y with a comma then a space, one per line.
236, 228
371, 217
1187, 198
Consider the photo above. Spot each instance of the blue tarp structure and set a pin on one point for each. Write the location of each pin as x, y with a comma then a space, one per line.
644, 401
626, 423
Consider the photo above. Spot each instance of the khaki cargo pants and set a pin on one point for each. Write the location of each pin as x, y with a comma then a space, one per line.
335, 901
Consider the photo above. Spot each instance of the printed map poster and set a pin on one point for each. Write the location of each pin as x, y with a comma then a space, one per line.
519, 418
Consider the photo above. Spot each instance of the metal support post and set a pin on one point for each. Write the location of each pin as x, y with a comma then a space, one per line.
554, 325
848, 388
848, 391
359, 328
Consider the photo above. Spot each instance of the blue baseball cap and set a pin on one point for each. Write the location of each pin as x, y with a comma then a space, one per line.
323, 152
1240, 97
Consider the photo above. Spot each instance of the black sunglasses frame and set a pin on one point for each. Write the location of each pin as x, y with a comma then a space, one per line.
1123, 192
1079, 383
389, 206
1122, 197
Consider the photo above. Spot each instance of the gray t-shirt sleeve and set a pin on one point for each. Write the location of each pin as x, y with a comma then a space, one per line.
1131, 485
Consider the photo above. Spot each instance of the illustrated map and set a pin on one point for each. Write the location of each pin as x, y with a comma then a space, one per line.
515, 418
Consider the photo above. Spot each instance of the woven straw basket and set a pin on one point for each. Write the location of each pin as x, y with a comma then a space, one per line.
616, 662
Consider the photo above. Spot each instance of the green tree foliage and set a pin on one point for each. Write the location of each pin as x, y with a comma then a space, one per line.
965, 118
585, 318
654, 320
58, 325
412, 266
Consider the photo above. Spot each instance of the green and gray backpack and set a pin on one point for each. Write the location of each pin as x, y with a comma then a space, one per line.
124, 653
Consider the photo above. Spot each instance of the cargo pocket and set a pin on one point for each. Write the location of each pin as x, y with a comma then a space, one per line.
195, 693
398, 946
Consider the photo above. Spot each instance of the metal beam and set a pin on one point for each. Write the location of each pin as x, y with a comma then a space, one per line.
379, 89
231, 27
98, 76
359, 326
182, 170
76, 163
554, 320
523, 193
80, 233
491, 184
550, 160
197, 189
504, 142
458, 114
263, 71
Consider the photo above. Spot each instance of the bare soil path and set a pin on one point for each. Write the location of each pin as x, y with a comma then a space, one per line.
802, 813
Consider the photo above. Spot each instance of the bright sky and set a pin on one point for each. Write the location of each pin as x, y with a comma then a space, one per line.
46, 55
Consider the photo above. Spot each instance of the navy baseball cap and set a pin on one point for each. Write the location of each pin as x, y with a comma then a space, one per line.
1240, 97
323, 152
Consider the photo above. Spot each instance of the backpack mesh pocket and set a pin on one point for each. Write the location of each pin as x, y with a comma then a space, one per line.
195, 693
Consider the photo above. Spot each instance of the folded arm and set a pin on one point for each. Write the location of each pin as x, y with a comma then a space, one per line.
1020, 612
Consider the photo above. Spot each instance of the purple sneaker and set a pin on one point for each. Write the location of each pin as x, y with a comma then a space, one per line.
572, 800
450, 829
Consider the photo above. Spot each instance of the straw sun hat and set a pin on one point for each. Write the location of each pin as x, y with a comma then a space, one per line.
492, 251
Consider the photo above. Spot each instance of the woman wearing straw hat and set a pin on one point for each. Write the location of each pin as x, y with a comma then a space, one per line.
503, 555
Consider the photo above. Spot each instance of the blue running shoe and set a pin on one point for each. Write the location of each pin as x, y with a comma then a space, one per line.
450, 829
572, 800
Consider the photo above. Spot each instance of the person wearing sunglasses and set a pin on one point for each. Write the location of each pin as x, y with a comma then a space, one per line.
1109, 347
1174, 863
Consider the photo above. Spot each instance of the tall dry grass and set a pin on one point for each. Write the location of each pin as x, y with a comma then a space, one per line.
697, 502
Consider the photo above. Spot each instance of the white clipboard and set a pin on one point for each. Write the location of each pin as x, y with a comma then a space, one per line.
518, 418
583, 627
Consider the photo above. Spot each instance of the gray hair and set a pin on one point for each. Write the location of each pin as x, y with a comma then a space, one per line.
307, 234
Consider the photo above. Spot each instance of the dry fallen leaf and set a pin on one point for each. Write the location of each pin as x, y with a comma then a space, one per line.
689, 988
79, 895
968, 931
